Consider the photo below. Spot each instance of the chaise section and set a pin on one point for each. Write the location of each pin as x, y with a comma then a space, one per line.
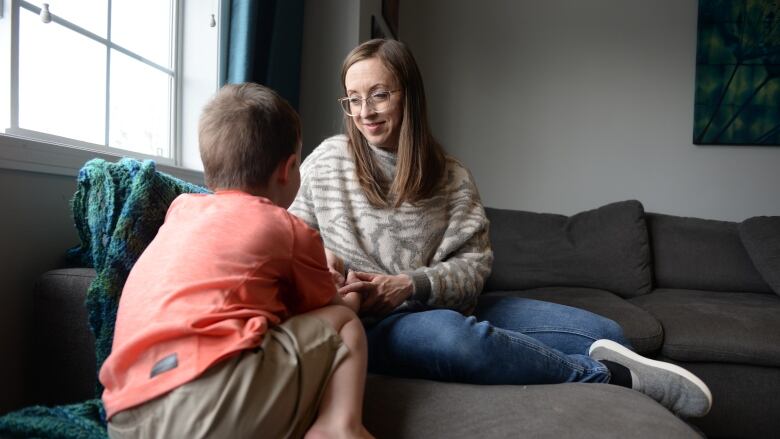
404, 408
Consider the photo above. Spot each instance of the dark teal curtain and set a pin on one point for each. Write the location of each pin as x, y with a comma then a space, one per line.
264, 45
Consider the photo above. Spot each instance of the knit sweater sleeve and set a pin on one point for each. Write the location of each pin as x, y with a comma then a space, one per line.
460, 265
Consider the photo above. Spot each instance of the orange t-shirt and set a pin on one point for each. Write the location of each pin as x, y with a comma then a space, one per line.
221, 269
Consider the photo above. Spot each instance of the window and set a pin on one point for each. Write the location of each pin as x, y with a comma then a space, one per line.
100, 72
116, 77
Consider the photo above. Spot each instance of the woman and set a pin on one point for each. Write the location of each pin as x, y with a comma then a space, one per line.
404, 226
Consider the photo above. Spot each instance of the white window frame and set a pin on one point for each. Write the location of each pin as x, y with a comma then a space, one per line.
26, 150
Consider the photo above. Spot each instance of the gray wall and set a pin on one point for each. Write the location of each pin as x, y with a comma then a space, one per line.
35, 230
331, 28
330, 31
564, 105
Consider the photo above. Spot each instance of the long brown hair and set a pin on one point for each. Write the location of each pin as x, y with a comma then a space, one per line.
420, 158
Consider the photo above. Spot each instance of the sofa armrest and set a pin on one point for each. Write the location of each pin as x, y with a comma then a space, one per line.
63, 356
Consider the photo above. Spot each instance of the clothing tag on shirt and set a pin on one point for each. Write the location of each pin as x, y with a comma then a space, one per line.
164, 365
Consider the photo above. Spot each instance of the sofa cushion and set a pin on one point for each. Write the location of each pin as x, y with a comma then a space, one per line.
726, 327
761, 237
639, 326
605, 248
700, 254
406, 408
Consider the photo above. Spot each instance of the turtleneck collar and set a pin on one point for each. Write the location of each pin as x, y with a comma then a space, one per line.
384, 153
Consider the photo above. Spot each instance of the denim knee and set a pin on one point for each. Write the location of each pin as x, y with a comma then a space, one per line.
443, 331
612, 330
440, 344
465, 348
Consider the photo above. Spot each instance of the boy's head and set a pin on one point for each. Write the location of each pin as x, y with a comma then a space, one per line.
245, 133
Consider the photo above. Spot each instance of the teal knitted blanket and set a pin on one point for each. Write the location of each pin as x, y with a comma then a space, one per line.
117, 210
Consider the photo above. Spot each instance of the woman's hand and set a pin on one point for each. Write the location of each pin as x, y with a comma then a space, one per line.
336, 268
380, 293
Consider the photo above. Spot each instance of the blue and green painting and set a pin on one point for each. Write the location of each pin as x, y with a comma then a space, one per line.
738, 73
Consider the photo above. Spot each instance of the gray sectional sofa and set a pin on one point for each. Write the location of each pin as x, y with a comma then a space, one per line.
700, 293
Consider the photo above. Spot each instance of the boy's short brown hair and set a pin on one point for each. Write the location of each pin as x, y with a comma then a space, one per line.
244, 132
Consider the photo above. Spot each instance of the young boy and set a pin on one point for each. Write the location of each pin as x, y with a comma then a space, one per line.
230, 324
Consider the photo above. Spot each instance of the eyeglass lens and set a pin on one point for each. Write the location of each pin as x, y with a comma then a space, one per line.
377, 102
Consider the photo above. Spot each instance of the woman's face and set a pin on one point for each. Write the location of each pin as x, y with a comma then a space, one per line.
364, 79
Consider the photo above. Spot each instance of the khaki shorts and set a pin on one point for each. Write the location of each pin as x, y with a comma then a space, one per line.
271, 392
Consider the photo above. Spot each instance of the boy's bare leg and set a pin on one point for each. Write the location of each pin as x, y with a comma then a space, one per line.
341, 409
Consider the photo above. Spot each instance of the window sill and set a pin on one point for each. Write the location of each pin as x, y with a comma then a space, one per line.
31, 155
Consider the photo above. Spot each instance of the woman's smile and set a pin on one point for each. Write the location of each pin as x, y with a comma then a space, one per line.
374, 127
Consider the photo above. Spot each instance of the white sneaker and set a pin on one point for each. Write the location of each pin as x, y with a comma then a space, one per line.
674, 387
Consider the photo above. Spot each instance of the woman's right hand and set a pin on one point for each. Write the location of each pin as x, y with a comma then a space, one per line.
380, 293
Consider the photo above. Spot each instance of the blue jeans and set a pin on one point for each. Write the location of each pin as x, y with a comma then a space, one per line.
508, 340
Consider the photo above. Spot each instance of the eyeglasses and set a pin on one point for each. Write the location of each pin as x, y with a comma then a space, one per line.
378, 102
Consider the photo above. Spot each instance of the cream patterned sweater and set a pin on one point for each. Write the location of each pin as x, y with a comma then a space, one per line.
442, 242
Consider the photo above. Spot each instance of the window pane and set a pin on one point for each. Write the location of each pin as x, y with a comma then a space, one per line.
92, 15
143, 27
62, 81
140, 108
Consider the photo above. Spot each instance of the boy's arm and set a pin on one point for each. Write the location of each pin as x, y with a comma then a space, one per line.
350, 300
311, 282
336, 267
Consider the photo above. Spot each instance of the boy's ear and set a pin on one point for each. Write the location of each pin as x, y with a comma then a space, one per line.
285, 168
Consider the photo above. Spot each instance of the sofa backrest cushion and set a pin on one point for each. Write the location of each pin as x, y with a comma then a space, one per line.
761, 237
605, 248
701, 254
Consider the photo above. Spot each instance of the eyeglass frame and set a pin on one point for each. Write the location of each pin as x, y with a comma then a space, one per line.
364, 101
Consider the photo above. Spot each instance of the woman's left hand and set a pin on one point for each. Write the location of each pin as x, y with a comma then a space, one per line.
381, 293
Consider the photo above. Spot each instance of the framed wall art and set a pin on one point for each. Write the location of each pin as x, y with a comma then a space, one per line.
737, 97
